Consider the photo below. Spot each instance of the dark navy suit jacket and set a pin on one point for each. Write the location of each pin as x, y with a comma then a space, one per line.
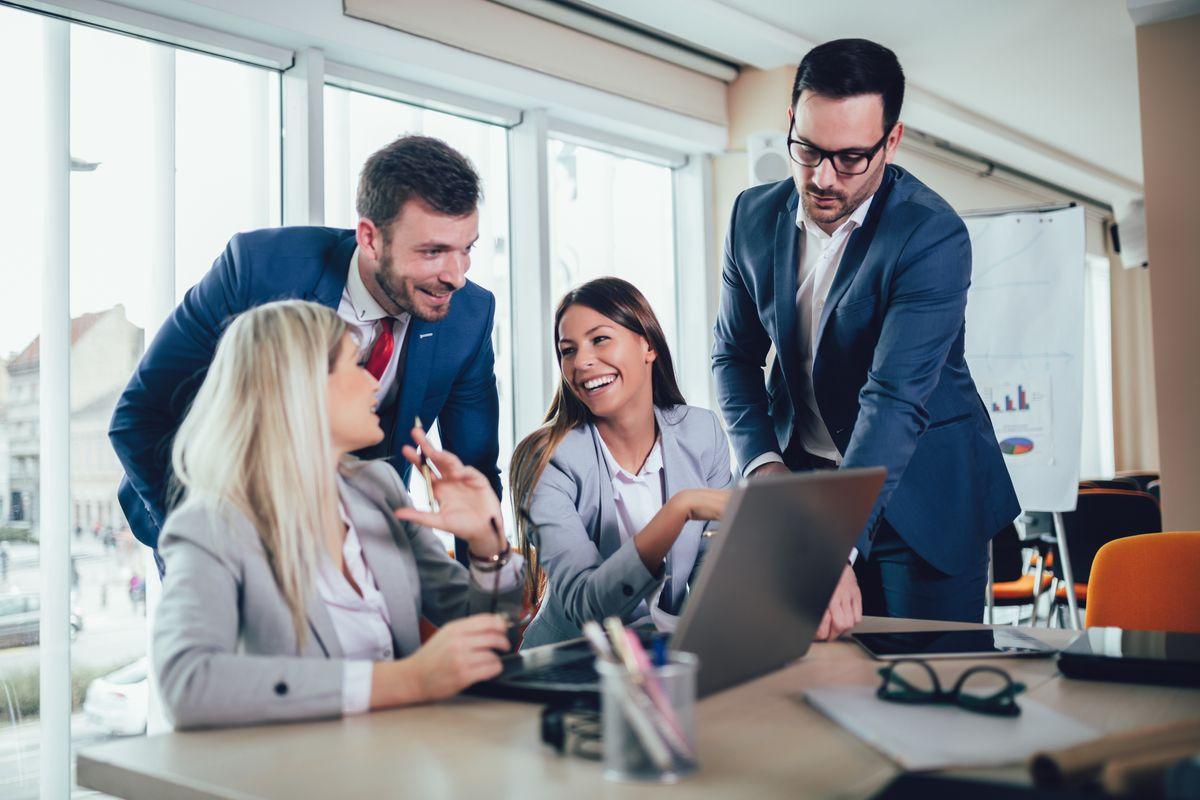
449, 369
889, 374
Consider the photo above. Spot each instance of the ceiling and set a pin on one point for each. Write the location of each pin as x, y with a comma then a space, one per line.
1055, 80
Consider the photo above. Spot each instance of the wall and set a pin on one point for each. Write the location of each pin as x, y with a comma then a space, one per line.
1168, 63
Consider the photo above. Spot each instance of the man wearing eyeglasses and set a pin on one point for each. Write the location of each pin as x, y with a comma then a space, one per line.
857, 274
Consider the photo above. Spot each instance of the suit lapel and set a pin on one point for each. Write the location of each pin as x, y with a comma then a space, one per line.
856, 250
784, 265
332, 281
422, 341
397, 581
321, 626
682, 555
609, 538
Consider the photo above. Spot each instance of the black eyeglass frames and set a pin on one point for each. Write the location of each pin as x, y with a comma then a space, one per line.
984, 690
845, 162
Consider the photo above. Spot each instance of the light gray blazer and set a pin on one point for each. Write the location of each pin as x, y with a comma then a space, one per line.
225, 651
592, 574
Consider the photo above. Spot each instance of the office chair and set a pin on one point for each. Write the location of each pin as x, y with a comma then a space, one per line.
1110, 483
1147, 582
1141, 477
1100, 516
1013, 584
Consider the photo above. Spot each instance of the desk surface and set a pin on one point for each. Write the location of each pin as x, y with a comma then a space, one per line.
760, 736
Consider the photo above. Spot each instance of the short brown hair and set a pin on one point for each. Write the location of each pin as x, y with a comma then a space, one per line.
419, 167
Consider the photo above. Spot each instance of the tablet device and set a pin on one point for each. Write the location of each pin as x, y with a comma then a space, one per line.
960, 643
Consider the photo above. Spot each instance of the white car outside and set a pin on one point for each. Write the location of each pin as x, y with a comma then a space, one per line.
119, 701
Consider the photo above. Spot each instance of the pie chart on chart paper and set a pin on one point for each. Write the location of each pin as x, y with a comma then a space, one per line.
1016, 446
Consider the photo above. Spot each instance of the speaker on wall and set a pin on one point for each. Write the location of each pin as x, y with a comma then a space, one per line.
1129, 236
767, 157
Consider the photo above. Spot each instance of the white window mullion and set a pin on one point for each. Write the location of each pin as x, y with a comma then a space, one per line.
304, 140
529, 191
54, 410
695, 280
162, 295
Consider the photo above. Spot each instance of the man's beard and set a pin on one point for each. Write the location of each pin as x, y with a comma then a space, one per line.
828, 216
402, 292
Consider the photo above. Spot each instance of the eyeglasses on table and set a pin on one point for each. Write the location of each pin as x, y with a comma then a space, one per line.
982, 689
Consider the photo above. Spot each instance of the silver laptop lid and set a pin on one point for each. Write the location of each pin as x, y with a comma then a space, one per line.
770, 570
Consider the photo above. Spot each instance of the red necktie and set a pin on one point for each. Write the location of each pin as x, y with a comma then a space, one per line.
381, 351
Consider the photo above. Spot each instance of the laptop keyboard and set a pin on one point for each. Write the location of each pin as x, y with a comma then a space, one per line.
576, 672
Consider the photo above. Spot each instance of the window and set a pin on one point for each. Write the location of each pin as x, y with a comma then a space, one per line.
611, 215
1098, 458
135, 107
358, 124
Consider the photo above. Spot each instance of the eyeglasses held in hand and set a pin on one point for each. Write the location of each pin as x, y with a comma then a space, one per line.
984, 690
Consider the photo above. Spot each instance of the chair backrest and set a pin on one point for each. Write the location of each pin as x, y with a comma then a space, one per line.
1142, 478
1147, 583
1006, 555
1111, 483
1100, 516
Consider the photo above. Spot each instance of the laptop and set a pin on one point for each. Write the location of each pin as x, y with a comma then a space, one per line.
760, 595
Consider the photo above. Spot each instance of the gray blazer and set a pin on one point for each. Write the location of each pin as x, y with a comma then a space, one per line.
225, 651
592, 574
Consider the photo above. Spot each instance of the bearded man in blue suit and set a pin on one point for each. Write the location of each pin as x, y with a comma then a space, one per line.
857, 274
398, 279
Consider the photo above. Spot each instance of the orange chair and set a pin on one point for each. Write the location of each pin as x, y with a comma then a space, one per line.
1147, 582
1100, 516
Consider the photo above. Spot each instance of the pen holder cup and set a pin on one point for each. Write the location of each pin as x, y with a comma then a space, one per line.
631, 715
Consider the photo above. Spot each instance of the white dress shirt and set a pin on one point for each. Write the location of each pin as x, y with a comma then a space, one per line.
820, 256
637, 499
359, 309
362, 621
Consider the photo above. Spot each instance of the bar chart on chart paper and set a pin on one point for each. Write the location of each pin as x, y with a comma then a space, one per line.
1020, 409
1024, 345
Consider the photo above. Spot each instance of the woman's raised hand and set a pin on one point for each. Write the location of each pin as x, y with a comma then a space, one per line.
706, 504
467, 504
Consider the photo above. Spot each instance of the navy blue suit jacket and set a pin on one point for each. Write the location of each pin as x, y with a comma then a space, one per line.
889, 374
449, 369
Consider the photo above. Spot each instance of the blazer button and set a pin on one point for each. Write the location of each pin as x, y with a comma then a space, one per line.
627, 589
281, 688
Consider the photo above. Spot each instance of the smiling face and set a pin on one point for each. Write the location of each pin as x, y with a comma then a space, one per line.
350, 396
852, 123
607, 366
417, 263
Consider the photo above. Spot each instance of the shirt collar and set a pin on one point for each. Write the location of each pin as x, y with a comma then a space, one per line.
365, 307
855, 220
653, 462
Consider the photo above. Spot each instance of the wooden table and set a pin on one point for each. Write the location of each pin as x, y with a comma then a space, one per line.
760, 738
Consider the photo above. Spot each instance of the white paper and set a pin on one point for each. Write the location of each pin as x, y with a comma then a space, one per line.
930, 737
1024, 345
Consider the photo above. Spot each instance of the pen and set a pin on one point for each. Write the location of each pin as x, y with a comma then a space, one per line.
426, 472
637, 706
643, 684
600, 646
666, 720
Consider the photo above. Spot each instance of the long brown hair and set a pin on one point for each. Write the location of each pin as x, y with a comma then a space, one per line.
621, 302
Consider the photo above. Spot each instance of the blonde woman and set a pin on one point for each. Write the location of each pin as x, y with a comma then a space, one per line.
296, 576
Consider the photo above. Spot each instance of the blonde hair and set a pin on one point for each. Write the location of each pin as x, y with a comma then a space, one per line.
257, 438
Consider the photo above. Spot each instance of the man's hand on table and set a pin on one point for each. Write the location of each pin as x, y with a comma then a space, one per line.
845, 608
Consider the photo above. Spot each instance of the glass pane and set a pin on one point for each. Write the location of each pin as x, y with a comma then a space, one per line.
356, 125
227, 158
226, 179
611, 215
21, 229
